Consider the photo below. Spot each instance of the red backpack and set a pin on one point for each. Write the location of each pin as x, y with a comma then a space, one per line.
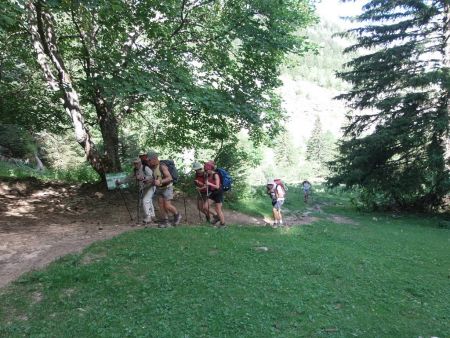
279, 182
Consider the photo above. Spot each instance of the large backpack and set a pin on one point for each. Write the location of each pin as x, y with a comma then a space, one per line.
225, 179
172, 169
279, 182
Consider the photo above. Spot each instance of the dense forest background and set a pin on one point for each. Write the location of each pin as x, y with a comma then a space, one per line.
309, 85
250, 85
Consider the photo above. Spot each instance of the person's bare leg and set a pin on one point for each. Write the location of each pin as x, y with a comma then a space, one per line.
219, 212
207, 209
162, 209
169, 207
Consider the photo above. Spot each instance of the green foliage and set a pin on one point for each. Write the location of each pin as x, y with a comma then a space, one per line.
396, 152
60, 152
24, 98
16, 142
82, 173
320, 148
320, 65
149, 64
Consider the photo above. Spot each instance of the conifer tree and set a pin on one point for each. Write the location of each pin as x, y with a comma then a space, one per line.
396, 149
314, 146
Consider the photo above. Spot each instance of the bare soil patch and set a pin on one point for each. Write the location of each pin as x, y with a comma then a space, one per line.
40, 222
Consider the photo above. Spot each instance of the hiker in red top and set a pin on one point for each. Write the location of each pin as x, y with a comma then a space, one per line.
214, 192
202, 198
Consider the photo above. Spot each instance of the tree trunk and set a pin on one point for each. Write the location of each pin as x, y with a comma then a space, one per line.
110, 134
446, 64
39, 165
41, 26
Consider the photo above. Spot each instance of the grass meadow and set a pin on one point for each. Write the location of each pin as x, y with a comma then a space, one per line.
381, 275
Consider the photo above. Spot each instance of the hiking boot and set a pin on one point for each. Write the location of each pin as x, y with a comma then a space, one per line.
176, 219
215, 219
222, 225
164, 224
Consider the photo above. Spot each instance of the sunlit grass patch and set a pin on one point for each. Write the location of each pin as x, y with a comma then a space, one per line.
322, 279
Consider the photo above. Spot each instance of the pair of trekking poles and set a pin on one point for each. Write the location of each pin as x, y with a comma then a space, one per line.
140, 197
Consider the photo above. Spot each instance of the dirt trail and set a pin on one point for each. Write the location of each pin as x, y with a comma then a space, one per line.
40, 222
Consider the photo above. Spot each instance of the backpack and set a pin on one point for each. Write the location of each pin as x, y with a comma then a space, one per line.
279, 182
225, 179
172, 169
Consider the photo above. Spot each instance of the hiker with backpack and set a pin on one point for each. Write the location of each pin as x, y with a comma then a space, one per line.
143, 177
163, 181
277, 192
200, 185
307, 187
214, 191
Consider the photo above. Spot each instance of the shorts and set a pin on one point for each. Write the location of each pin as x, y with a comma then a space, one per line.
216, 196
277, 204
202, 196
166, 193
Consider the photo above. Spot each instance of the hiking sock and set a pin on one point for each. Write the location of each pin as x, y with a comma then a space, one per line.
176, 219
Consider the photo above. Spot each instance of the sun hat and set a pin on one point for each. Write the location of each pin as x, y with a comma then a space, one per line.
151, 154
197, 166
210, 165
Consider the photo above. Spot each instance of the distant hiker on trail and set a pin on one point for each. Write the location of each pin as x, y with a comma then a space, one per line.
200, 185
214, 192
163, 181
143, 176
276, 193
306, 186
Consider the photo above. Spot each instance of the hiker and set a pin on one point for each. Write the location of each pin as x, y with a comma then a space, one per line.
163, 182
143, 176
200, 186
214, 192
306, 186
276, 193
147, 191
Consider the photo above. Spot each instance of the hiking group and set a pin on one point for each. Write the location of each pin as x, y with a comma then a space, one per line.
210, 183
155, 179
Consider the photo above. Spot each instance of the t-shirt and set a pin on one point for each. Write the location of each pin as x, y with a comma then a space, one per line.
200, 181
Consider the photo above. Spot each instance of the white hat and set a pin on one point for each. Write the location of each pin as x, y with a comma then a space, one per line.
197, 166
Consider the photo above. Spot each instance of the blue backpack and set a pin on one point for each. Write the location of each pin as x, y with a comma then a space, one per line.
225, 179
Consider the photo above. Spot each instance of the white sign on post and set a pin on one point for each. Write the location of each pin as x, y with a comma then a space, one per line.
112, 178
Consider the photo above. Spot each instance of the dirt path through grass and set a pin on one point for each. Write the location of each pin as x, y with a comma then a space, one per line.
40, 222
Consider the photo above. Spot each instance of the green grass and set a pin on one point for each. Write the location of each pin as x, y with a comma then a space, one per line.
82, 173
371, 279
259, 204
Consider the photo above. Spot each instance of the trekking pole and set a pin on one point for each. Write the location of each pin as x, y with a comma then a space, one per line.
185, 210
207, 193
199, 198
125, 202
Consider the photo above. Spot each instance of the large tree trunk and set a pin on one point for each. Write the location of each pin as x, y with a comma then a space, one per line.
110, 134
446, 64
41, 26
